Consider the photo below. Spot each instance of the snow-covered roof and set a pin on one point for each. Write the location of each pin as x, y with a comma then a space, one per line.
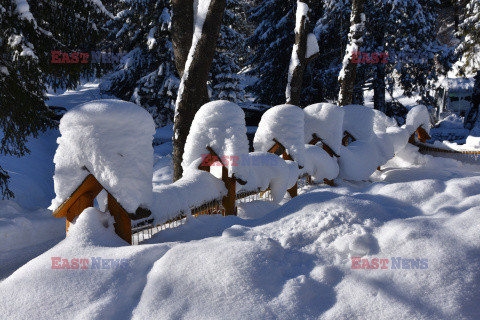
458, 84
326, 121
112, 139
219, 125
358, 121
285, 123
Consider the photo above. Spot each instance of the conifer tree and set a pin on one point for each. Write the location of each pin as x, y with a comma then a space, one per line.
30, 31
272, 42
470, 32
226, 80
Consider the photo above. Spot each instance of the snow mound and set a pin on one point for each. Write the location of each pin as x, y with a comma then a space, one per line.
269, 170
326, 121
418, 116
358, 121
93, 227
20, 228
381, 121
473, 142
286, 124
221, 126
358, 161
319, 164
193, 189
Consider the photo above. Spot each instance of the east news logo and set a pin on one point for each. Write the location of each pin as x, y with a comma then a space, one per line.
393, 263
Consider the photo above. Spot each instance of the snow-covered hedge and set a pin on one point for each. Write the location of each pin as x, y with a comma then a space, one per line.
112, 139
286, 124
221, 126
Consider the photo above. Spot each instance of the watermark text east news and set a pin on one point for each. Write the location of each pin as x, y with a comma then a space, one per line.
95, 263
83, 57
393, 263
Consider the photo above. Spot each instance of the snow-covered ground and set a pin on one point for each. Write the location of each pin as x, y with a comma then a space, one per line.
292, 261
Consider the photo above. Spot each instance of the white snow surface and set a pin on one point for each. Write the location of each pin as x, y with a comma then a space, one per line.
312, 45
271, 262
112, 139
294, 262
193, 189
301, 12
416, 117
326, 121
23, 10
359, 160
269, 170
286, 124
221, 126
358, 120
319, 164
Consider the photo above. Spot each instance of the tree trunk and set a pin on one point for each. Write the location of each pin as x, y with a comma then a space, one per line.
348, 73
379, 81
182, 31
299, 55
379, 88
193, 93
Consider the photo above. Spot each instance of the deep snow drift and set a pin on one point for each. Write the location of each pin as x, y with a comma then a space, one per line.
294, 262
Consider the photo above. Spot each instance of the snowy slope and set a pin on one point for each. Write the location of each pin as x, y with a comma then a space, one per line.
292, 263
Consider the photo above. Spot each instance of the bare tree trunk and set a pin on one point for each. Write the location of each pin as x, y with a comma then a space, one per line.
348, 73
192, 93
299, 58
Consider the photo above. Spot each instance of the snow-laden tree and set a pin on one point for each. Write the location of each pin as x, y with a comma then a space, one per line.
411, 41
271, 41
147, 74
226, 80
348, 73
195, 29
30, 31
304, 50
470, 31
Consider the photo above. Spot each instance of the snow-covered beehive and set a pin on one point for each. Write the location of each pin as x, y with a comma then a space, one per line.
325, 120
418, 120
219, 125
285, 124
112, 140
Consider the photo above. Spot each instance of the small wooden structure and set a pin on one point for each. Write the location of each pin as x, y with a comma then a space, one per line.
83, 197
326, 147
228, 202
347, 138
422, 135
280, 150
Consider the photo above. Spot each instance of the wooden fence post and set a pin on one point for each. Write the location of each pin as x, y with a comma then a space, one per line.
228, 201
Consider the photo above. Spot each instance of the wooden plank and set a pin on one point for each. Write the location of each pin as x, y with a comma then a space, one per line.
90, 184
123, 223
329, 182
347, 138
83, 202
228, 201
423, 136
